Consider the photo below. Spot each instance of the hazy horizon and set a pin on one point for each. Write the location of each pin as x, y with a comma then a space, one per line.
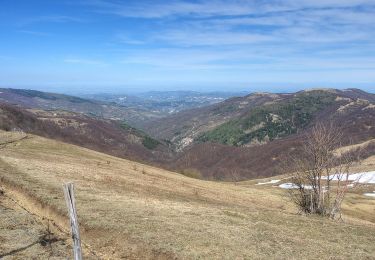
136, 90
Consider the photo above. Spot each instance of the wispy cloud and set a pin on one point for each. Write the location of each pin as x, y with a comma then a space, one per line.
245, 59
243, 36
196, 37
36, 33
209, 39
126, 39
50, 19
85, 61
159, 9
217, 23
209, 8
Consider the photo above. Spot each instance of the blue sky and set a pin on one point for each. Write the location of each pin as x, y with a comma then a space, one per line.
114, 46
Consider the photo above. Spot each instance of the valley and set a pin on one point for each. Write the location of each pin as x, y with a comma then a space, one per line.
165, 102
144, 194
236, 139
93, 108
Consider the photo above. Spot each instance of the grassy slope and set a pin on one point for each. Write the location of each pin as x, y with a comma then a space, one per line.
20, 233
132, 210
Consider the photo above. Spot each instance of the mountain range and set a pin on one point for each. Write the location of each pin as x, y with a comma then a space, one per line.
238, 138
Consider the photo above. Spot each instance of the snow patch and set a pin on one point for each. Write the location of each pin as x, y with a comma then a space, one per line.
290, 185
369, 194
371, 106
268, 182
361, 177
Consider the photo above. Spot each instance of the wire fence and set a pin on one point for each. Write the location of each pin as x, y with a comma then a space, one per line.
45, 237
30, 237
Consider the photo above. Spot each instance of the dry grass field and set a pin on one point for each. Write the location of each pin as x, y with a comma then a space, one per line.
23, 236
133, 211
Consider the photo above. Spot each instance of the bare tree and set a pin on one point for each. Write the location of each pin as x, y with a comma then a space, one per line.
321, 177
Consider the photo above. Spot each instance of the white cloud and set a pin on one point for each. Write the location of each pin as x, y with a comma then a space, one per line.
157, 9
250, 59
209, 8
292, 38
212, 38
286, 21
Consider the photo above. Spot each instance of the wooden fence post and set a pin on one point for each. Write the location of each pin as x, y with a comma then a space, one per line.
70, 202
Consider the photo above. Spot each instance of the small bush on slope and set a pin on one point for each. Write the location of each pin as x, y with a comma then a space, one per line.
321, 178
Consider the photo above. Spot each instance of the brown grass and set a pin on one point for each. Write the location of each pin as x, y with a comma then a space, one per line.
24, 236
130, 210
349, 148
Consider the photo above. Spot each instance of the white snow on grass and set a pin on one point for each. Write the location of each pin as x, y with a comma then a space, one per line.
370, 194
361, 177
290, 185
268, 182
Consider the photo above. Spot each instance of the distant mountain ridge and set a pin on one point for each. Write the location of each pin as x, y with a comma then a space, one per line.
271, 121
252, 119
103, 135
239, 138
182, 128
45, 100
216, 156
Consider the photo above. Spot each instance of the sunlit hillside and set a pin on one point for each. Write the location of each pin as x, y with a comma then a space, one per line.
130, 210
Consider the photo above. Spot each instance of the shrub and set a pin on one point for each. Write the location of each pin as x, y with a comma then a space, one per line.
192, 173
150, 143
321, 179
